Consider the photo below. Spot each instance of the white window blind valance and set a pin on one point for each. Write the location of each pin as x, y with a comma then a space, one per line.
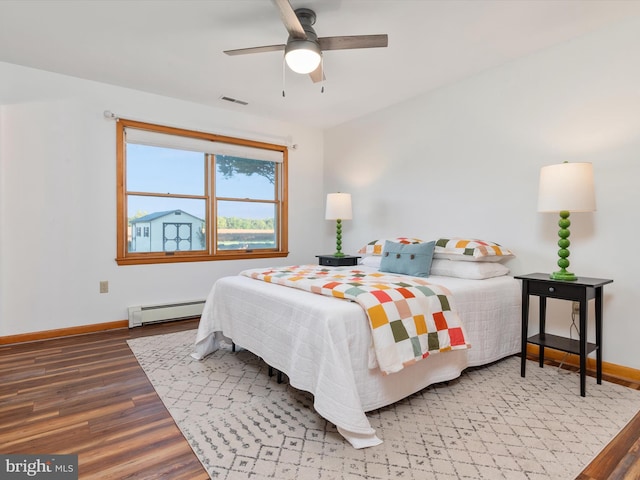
164, 140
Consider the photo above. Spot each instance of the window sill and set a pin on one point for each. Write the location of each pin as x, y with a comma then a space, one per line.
153, 259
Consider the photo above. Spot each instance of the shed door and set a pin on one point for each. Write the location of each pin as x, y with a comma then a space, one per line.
176, 236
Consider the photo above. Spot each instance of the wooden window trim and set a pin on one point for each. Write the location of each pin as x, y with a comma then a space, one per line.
124, 257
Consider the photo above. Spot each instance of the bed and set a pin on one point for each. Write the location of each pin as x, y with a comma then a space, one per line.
324, 344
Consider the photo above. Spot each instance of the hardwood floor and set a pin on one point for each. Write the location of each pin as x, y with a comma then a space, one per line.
87, 395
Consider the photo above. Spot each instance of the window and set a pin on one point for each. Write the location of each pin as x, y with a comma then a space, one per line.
192, 196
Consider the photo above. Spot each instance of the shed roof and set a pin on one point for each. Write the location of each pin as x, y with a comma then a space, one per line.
155, 215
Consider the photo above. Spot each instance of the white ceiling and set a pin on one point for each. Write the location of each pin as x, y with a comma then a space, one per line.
174, 47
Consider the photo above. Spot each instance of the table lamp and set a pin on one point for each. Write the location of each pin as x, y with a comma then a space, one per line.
338, 209
565, 188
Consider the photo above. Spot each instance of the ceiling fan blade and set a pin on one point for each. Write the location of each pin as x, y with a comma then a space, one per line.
290, 20
266, 48
318, 74
353, 41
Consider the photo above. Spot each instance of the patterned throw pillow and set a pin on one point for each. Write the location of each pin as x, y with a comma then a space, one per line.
471, 250
375, 247
407, 258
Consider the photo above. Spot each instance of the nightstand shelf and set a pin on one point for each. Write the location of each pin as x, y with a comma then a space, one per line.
560, 343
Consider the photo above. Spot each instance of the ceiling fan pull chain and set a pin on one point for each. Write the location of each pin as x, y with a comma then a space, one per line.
283, 76
322, 67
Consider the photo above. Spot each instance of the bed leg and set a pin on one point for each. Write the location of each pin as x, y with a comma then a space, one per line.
233, 347
279, 373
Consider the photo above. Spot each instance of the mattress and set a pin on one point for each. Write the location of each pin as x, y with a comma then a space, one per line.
324, 344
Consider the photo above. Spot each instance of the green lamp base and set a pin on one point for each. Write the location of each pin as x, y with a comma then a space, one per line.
338, 239
563, 275
563, 262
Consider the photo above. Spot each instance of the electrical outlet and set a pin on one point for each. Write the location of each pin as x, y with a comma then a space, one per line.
576, 308
104, 286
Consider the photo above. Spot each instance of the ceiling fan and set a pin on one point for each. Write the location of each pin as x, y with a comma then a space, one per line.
303, 50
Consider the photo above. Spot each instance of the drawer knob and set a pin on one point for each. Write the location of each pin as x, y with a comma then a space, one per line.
551, 289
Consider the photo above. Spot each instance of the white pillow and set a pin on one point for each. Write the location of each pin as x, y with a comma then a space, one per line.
373, 261
451, 268
468, 270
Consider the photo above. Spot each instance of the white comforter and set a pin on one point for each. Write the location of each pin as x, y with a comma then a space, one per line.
324, 344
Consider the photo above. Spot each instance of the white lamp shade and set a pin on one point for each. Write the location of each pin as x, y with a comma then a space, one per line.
338, 206
567, 186
302, 56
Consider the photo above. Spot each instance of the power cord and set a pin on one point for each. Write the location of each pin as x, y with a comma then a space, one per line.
575, 312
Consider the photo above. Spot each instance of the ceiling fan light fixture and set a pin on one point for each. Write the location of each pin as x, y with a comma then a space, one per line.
302, 56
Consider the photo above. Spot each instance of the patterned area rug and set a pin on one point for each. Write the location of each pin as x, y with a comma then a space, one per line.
488, 424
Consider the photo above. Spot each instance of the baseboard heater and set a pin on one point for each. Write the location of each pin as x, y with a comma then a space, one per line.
164, 312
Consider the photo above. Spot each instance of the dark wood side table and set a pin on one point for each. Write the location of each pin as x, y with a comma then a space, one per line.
581, 290
333, 261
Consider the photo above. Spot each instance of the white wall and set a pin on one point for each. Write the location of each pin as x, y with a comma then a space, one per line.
464, 161
58, 200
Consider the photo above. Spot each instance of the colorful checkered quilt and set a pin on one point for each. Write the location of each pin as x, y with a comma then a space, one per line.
410, 318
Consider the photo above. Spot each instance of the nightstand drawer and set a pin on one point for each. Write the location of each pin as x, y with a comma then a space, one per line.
333, 261
555, 290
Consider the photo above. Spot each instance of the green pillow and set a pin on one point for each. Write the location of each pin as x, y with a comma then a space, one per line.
409, 259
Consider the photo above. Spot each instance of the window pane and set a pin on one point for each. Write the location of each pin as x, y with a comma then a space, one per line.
160, 224
164, 170
246, 225
245, 178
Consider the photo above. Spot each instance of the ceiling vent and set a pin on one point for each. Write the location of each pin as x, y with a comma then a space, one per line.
233, 100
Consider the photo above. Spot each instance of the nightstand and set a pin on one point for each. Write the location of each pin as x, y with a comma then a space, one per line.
333, 261
581, 290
